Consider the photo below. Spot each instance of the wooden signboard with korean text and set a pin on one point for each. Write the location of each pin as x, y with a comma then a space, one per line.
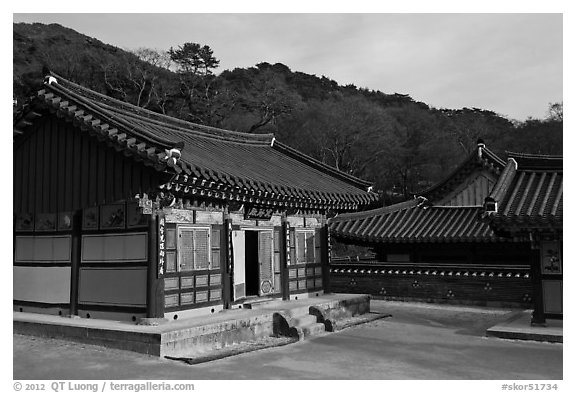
258, 213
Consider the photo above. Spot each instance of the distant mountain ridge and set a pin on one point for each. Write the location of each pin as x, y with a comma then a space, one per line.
401, 145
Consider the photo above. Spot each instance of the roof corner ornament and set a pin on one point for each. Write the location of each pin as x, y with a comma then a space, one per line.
272, 142
49, 79
515, 163
172, 156
370, 189
490, 205
422, 202
481, 145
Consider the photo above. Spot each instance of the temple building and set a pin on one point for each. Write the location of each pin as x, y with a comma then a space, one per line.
437, 247
526, 205
121, 213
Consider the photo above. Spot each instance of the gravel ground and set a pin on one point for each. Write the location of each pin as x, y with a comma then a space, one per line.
418, 341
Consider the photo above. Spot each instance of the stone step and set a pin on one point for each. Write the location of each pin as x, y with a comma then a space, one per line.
298, 312
304, 320
313, 329
260, 303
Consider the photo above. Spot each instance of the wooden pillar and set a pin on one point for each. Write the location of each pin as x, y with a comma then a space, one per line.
226, 244
325, 257
284, 259
155, 284
538, 318
75, 258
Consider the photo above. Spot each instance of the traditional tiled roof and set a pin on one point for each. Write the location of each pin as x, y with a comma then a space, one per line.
481, 157
206, 161
414, 221
529, 194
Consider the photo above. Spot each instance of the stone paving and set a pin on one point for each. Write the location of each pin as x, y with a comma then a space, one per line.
429, 342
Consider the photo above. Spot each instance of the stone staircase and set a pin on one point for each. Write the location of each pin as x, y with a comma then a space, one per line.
297, 322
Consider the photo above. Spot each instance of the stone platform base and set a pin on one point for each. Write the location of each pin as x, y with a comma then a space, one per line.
193, 335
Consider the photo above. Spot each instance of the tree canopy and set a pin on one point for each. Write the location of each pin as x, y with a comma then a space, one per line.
403, 146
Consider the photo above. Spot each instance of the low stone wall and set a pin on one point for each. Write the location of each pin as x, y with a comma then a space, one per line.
477, 285
193, 337
205, 338
334, 315
147, 343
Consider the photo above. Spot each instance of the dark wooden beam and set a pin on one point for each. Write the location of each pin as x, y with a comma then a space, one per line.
538, 318
76, 258
155, 284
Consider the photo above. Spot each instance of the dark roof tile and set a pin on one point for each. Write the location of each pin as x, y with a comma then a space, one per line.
530, 195
253, 164
414, 222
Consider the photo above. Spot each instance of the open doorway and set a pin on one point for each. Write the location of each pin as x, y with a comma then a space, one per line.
252, 263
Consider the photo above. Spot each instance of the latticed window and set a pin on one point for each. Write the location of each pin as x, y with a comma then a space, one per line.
194, 248
265, 255
305, 247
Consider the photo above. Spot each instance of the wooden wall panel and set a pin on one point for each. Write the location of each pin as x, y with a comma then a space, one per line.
126, 247
43, 249
58, 167
552, 294
113, 286
42, 284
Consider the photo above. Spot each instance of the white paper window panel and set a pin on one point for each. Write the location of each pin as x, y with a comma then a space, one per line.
265, 254
121, 247
292, 273
301, 247
186, 249
201, 249
45, 249
194, 248
310, 248
293, 285
41, 284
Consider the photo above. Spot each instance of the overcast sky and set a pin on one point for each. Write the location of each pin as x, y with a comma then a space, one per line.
508, 63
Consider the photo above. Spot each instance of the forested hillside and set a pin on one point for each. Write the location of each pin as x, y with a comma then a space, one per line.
401, 145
